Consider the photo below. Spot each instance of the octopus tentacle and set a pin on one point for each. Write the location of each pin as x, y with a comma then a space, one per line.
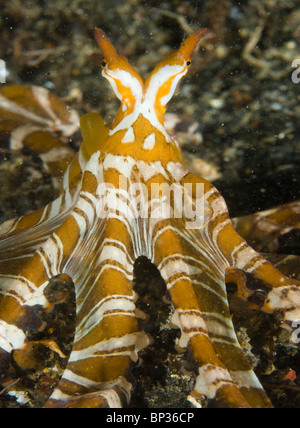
31, 253
24, 277
21, 292
263, 229
245, 263
39, 244
223, 374
34, 120
287, 264
249, 267
107, 335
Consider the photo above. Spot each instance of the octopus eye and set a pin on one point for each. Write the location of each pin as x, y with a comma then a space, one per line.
188, 63
103, 64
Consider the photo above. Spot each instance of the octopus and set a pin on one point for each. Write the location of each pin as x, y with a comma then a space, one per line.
127, 195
